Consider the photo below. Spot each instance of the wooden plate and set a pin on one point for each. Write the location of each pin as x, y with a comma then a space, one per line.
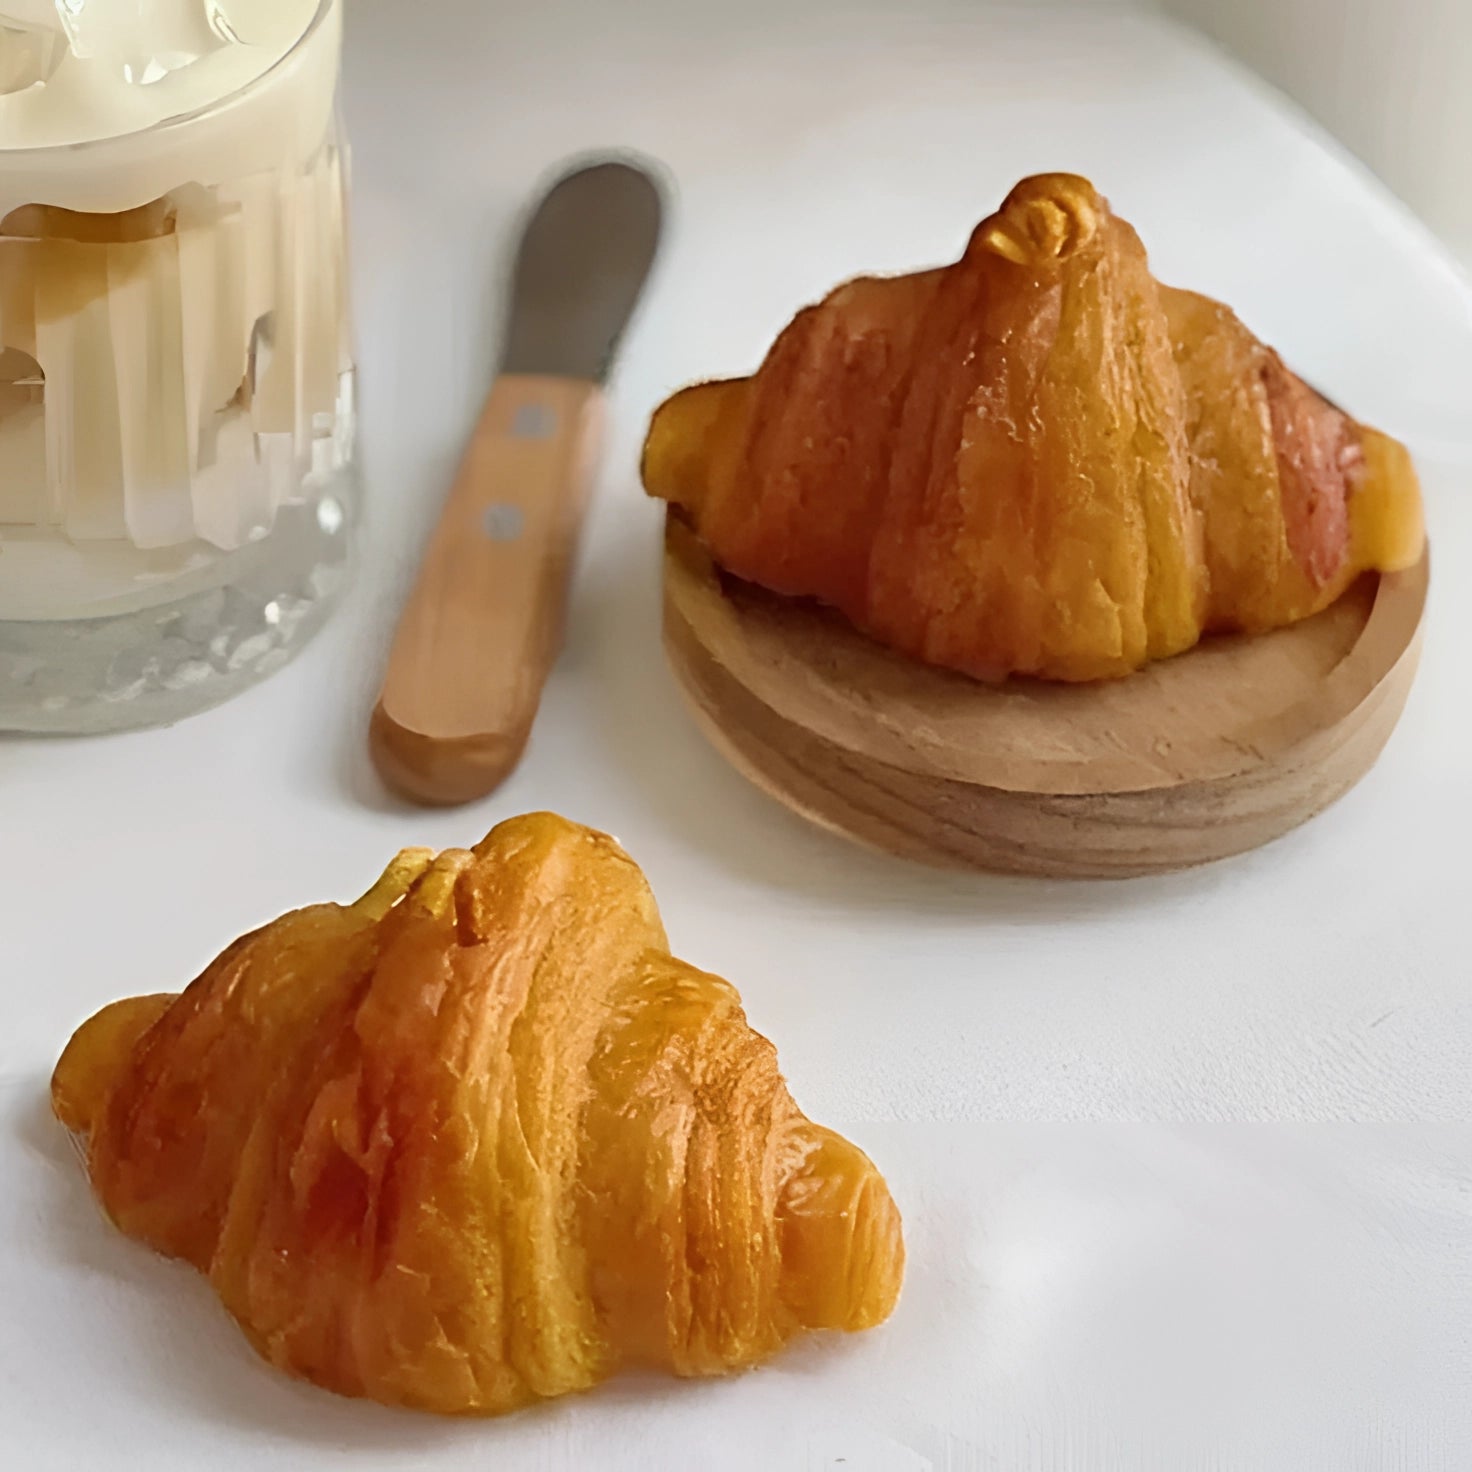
1193, 759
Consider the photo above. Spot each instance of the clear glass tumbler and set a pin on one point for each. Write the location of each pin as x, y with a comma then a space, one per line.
177, 489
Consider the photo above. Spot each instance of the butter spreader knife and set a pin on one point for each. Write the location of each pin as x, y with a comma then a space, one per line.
483, 626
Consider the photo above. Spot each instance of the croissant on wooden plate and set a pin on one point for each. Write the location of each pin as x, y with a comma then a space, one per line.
480, 1139
1038, 460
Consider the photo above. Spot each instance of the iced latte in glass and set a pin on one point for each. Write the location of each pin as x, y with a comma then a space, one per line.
176, 374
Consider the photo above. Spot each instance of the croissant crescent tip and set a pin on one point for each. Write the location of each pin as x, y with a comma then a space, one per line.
842, 1240
681, 433
1387, 518
97, 1054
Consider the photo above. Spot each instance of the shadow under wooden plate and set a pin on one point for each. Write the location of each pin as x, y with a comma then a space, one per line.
1193, 759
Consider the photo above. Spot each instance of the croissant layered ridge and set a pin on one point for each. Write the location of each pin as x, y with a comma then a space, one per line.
1035, 461
479, 1139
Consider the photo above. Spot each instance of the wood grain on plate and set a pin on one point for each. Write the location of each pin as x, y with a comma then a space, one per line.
1193, 759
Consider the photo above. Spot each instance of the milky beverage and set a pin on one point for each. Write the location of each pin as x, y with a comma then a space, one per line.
174, 355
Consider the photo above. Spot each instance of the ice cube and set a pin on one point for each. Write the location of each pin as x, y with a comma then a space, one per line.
27, 57
141, 40
32, 43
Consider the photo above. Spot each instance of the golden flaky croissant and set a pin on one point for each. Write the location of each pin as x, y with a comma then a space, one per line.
479, 1139
1038, 460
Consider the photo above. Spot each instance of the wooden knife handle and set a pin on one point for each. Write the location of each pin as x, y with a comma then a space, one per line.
483, 626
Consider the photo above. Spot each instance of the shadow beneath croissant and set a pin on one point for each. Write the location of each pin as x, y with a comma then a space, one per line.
614, 650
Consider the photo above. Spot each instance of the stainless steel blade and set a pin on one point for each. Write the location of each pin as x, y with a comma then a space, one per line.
584, 258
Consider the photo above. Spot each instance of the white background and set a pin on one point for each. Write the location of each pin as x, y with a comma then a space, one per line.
1391, 80
1071, 1284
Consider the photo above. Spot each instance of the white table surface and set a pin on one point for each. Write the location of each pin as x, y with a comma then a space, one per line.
1042, 1069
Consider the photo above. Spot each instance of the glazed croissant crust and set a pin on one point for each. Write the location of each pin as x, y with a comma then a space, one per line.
479, 1139
1037, 460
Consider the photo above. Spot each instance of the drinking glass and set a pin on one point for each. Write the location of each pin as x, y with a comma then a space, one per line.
177, 491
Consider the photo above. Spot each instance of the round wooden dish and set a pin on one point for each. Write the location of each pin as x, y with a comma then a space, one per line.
1193, 759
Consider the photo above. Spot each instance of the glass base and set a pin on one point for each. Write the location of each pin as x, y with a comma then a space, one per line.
155, 665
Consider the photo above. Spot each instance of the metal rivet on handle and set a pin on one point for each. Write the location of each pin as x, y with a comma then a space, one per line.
503, 522
534, 422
